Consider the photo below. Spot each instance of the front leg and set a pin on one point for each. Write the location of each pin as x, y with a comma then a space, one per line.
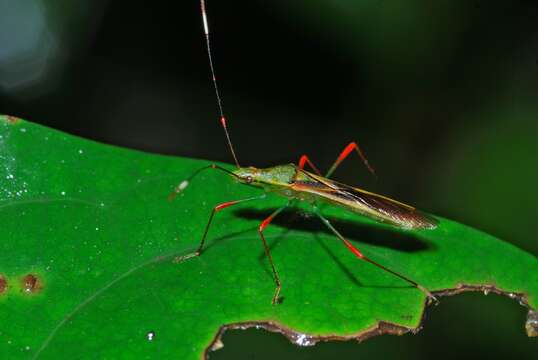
215, 210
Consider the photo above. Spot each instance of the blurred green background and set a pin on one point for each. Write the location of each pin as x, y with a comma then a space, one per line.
442, 96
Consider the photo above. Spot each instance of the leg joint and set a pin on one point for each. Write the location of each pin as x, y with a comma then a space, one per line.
264, 224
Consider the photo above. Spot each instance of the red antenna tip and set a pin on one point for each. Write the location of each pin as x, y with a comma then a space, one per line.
223, 121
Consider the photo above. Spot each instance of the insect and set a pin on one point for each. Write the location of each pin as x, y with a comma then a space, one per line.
297, 184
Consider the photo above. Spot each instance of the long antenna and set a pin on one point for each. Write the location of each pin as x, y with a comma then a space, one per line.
219, 101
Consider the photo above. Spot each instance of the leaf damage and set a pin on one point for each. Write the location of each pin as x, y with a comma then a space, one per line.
381, 328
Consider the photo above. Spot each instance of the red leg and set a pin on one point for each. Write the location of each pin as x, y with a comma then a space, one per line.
347, 150
215, 210
361, 256
263, 225
305, 160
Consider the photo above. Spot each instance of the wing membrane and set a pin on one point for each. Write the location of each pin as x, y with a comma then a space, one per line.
378, 207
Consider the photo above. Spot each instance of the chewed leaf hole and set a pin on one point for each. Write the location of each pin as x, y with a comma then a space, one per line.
532, 323
12, 119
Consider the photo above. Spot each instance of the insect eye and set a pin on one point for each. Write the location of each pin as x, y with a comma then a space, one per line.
248, 179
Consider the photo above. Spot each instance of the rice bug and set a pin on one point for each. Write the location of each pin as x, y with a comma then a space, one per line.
296, 184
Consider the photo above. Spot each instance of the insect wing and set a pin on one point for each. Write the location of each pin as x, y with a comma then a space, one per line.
373, 205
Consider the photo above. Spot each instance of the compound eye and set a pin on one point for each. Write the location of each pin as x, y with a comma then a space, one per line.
248, 179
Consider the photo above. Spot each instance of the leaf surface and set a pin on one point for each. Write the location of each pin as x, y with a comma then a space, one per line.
88, 239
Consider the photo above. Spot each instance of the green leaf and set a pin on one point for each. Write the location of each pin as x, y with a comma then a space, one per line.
88, 239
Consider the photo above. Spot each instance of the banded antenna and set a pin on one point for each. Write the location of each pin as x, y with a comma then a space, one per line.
219, 101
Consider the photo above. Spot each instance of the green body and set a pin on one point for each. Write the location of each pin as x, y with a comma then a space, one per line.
293, 182
286, 180
273, 178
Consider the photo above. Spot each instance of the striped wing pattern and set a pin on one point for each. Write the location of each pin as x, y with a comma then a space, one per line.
372, 205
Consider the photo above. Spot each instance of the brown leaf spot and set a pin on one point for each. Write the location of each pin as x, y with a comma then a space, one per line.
3, 284
31, 284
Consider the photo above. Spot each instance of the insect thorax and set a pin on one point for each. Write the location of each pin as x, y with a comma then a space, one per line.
281, 175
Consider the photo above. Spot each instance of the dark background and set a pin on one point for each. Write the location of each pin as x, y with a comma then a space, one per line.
442, 96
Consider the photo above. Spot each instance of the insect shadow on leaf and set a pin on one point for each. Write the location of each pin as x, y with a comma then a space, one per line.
297, 219
394, 239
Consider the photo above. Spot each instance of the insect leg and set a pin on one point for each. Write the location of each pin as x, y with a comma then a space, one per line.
361, 256
262, 226
215, 210
305, 160
347, 150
